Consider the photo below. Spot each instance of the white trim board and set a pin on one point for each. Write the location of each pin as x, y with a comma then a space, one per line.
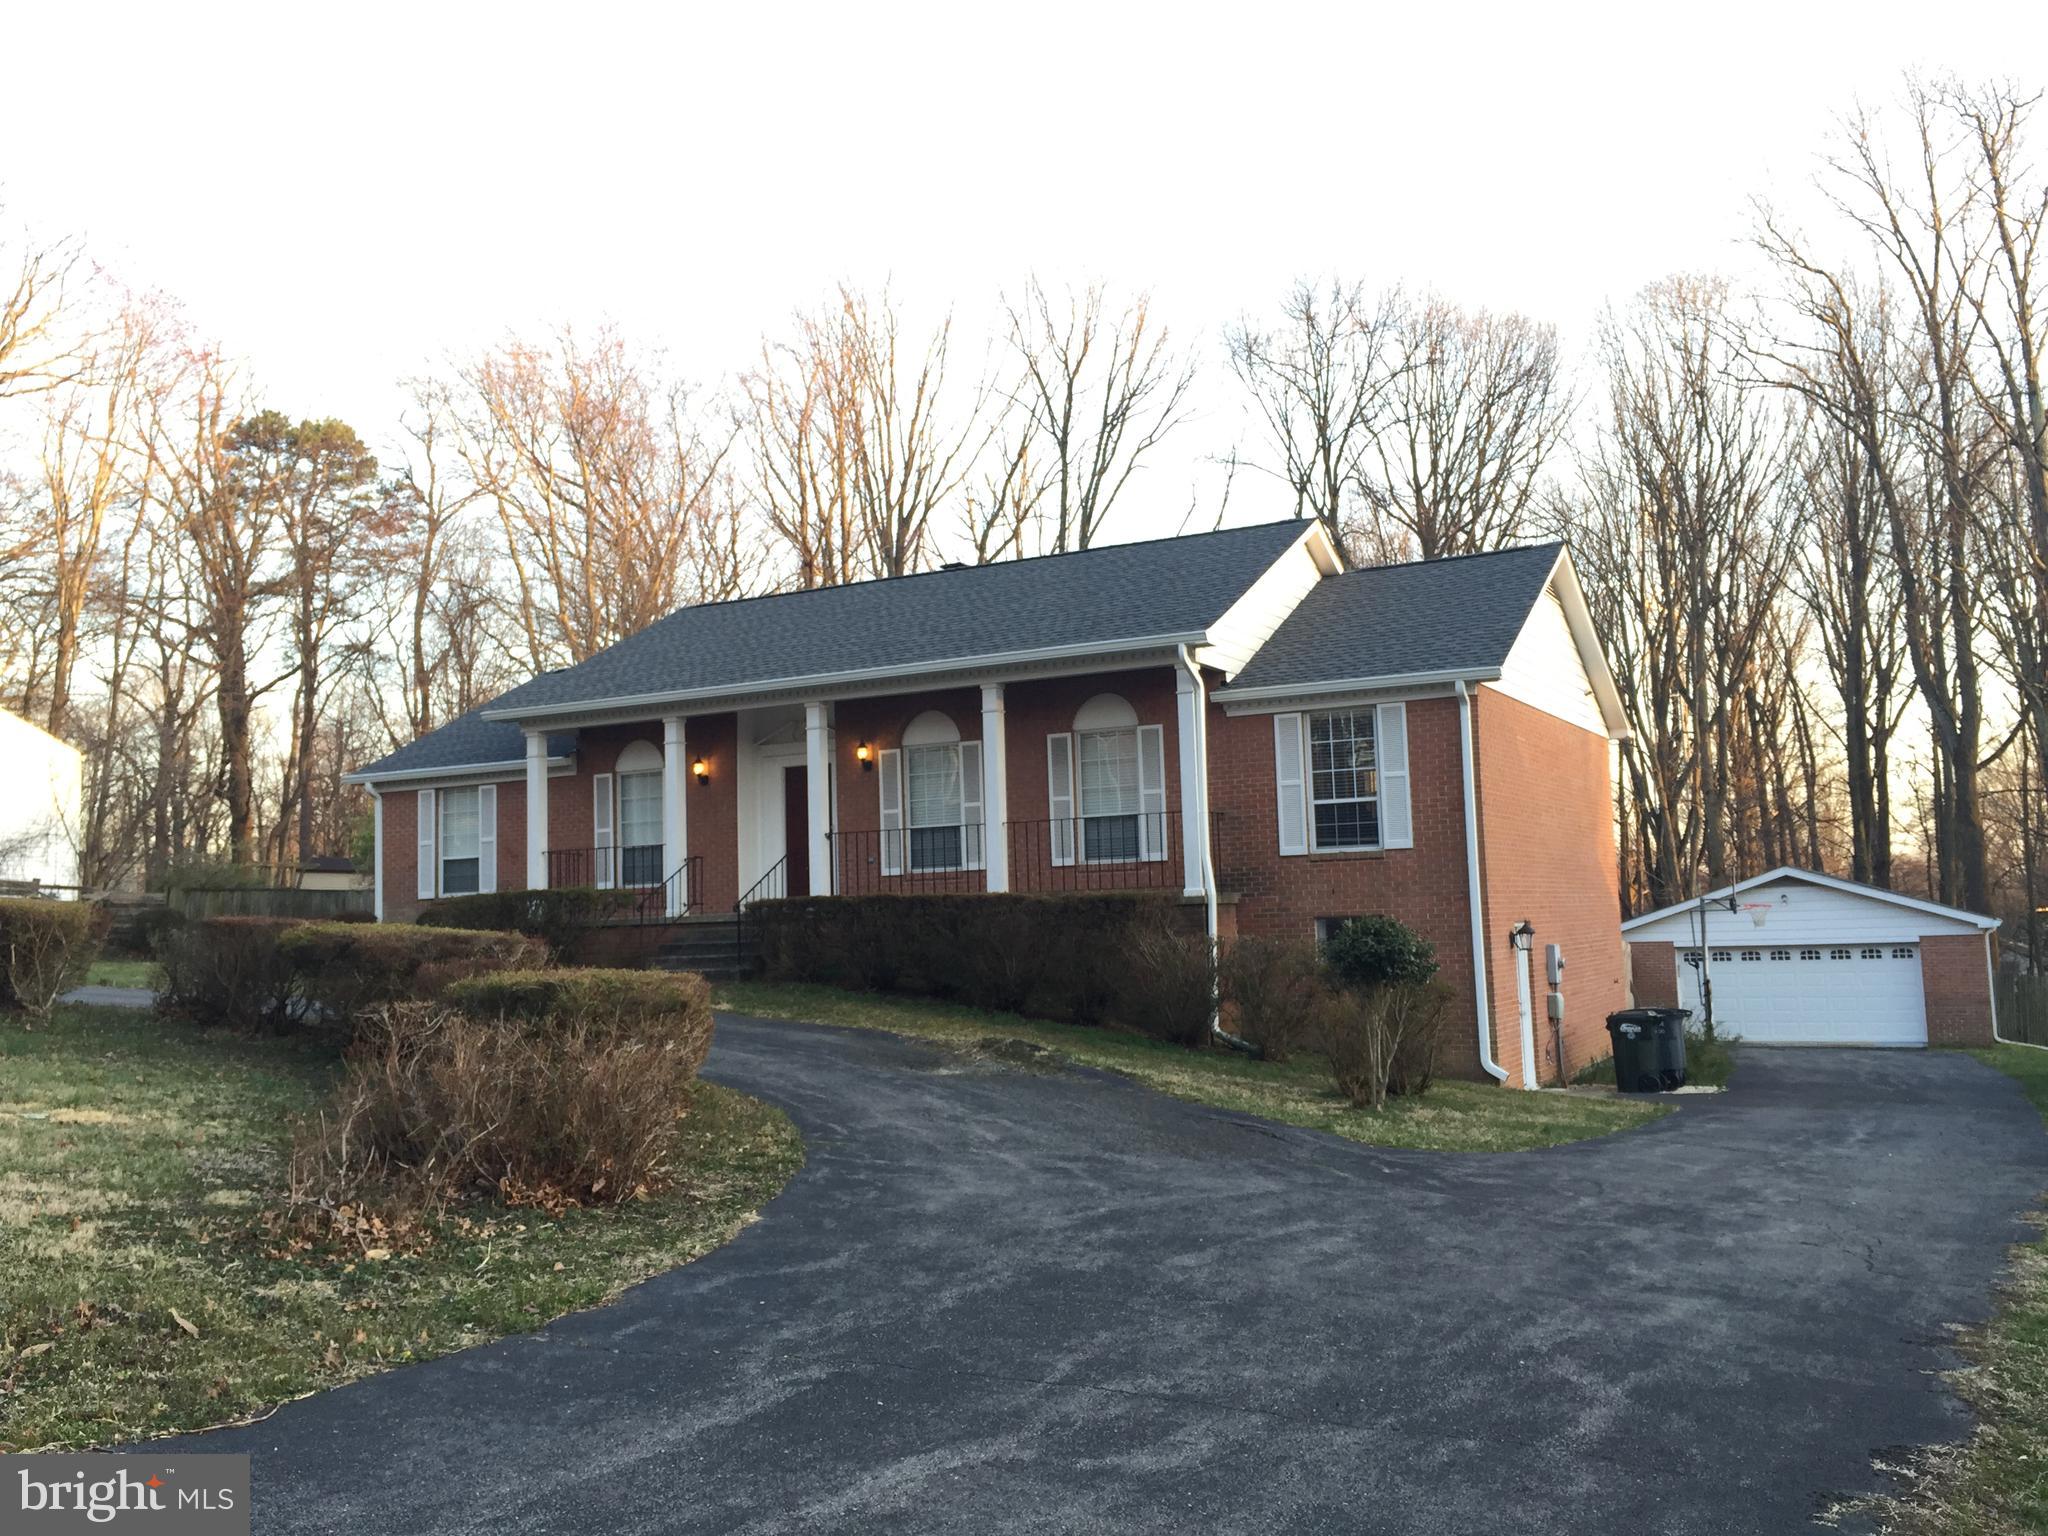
1834, 883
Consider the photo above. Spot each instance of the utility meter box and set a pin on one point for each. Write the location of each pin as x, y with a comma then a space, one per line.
1553, 963
1557, 1007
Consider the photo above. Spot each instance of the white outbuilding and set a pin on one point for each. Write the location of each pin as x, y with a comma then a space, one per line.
42, 786
1795, 957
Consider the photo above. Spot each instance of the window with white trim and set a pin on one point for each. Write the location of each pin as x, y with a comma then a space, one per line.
640, 829
461, 841
1344, 789
1108, 771
932, 795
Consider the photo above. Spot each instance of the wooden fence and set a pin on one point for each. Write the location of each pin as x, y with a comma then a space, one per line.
268, 901
2023, 1008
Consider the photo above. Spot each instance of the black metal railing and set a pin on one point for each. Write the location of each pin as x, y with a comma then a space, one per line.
645, 895
913, 860
772, 886
1096, 853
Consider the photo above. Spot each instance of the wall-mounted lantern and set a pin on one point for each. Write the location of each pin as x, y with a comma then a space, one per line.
866, 756
702, 770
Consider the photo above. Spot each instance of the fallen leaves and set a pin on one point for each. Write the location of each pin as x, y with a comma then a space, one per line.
184, 1322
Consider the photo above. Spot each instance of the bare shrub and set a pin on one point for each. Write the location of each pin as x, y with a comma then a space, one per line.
1167, 985
1274, 988
435, 1105
228, 970
1382, 1040
346, 968
46, 947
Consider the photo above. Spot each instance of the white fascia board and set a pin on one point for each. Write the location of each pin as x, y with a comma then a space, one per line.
1831, 882
1251, 701
1565, 577
469, 772
840, 682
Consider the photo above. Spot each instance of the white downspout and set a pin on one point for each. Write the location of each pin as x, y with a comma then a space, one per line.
1493, 1068
1201, 767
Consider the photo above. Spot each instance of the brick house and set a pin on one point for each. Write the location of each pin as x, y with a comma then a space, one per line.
1795, 957
1231, 716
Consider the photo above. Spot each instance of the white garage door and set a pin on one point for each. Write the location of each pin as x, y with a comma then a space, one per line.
1833, 994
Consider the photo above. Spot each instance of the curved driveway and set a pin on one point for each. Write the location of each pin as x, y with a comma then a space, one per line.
1003, 1300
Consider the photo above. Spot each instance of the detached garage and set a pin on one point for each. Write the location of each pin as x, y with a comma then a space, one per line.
1799, 958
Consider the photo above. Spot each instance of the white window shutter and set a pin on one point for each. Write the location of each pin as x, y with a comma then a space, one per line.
1397, 821
487, 837
890, 767
1291, 792
601, 831
1059, 783
427, 883
970, 805
1152, 792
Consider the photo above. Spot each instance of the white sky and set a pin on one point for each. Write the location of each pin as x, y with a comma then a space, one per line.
343, 195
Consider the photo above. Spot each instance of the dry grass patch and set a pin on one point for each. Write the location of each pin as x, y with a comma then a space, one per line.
144, 1294
1454, 1116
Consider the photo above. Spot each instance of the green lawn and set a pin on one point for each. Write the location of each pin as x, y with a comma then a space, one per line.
1453, 1116
141, 1291
121, 973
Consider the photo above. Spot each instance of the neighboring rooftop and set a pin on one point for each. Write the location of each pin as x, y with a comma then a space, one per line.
1103, 596
1428, 617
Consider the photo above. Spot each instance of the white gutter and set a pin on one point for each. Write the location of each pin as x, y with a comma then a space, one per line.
1358, 684
513, 768
823, 680
1493, 1068
1201, 767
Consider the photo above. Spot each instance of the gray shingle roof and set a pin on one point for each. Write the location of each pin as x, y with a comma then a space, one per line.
1106, 595
467, 741
1397, 620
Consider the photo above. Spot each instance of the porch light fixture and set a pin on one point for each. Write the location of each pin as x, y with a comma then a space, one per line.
866, 755
702, 770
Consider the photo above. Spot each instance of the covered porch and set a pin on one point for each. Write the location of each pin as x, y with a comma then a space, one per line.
1075, 781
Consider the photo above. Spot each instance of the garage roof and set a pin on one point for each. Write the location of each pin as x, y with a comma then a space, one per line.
1815, 877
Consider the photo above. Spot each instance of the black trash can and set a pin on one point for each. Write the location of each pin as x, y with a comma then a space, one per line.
1649, 1049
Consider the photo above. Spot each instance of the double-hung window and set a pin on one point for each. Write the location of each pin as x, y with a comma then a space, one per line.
1344, 790
933, 779
461, 842
640, 829
1108, 763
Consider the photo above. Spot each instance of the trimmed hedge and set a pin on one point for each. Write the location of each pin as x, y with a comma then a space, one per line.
46, 947
346, 968
1081, 958
674, 1009
554, 916
228, 970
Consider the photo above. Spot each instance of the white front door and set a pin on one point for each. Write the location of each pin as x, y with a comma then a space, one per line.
1808, 994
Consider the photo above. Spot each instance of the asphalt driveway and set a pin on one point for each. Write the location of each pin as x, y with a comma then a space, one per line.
1002, 1300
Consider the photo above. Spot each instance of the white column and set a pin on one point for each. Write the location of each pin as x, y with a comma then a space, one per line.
377, 868
675, 810
1194, 786
818, 780
536, 810
995, 779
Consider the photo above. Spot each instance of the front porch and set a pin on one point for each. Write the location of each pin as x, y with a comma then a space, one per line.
1051, 784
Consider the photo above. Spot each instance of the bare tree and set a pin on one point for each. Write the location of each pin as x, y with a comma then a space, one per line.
38, 282
1318, 381
612, 498
1475, 406
1100, 392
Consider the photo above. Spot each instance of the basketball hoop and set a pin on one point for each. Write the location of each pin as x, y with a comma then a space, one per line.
1758, 911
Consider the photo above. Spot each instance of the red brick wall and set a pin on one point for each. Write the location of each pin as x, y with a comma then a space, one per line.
1655, 966
401, 847
1958, 986
1423, 886
881, 722
1547, 857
